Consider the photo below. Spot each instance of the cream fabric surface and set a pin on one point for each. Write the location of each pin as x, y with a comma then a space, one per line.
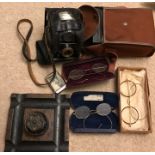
134, 109
14, 78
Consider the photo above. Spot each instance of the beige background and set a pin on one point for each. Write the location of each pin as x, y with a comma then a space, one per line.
14, 78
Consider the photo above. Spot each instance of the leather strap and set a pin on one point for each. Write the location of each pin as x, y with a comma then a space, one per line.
26, 50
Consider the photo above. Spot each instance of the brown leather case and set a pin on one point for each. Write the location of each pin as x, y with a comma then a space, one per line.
129, 32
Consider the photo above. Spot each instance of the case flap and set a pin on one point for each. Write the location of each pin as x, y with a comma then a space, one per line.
129, 25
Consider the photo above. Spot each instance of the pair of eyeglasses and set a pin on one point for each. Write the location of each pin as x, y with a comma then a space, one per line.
84, 112
128, 90
97, 68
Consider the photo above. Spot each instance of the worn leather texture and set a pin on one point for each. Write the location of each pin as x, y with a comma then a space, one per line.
129, 31
120, 25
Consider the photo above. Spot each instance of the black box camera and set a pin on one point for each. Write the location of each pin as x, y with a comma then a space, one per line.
63, 35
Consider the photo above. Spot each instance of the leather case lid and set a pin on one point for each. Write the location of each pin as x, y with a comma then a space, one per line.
129, 25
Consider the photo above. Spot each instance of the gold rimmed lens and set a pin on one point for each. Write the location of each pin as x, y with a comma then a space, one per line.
130, 115
128, 88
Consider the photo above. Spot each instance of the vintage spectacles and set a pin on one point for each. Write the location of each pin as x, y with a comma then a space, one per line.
129, 89
103, 109
97, 68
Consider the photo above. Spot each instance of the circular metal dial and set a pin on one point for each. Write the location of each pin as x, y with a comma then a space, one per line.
36, 123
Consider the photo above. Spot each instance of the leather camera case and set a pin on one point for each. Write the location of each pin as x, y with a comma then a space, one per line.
129, 32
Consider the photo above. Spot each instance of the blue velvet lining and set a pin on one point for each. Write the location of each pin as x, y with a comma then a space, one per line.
95, 122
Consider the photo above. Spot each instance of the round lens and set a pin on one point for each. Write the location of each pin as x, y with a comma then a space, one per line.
128, 88
130, 115
103, 109
76, 74
99, 67
82, 112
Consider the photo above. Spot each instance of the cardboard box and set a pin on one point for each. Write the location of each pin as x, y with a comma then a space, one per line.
135, 108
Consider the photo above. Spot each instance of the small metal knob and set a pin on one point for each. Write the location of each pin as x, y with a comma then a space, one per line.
125, 23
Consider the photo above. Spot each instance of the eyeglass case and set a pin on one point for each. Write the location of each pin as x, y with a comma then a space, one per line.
92, 123
139, 101
87, 66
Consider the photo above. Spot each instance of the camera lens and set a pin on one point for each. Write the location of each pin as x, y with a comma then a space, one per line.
67, 52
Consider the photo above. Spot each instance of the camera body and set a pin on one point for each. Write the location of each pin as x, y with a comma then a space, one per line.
63, 35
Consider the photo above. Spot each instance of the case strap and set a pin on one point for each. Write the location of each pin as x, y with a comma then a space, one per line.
26, 50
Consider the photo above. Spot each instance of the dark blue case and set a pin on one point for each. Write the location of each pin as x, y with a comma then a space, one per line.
93, 121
